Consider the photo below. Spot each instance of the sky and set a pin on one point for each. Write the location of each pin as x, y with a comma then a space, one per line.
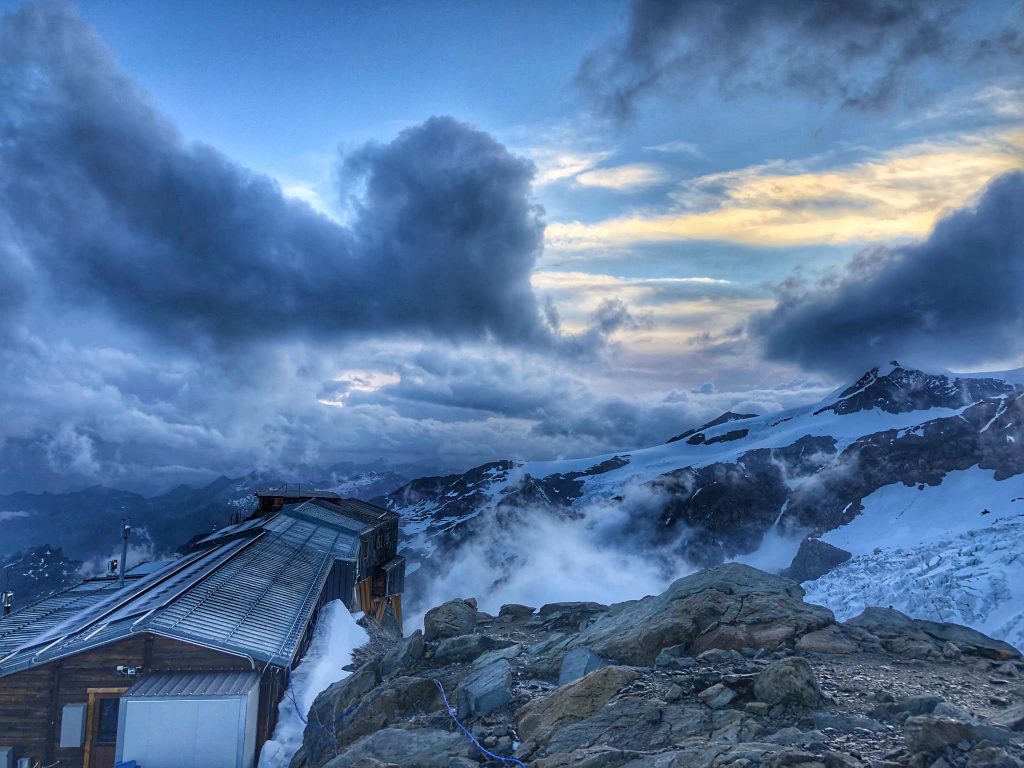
241, 236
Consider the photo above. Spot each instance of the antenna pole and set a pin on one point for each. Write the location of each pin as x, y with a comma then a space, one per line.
126, 529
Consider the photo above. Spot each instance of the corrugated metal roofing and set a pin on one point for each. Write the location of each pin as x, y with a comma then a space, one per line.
176, 684
251, 594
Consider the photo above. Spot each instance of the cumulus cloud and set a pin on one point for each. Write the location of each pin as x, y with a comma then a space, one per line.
106, 205
863, 54
956, 299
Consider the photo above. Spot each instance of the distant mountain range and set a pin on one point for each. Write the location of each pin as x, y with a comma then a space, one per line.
900, 461
905, 488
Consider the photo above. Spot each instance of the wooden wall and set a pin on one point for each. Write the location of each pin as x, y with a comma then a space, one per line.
31, 701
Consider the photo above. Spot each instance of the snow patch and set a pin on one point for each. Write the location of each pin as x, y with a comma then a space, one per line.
335, 637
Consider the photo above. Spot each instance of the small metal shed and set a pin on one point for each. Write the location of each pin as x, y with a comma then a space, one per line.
190, 720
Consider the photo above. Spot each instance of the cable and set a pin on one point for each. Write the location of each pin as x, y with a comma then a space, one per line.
470, 736
302, 717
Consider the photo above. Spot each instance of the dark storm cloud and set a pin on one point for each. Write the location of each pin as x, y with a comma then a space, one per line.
957, 298
110, 208
862, 53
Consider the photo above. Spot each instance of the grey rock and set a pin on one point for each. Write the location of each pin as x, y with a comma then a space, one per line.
729, 606
486, 689
900, 710
515, 611
567, 616
844, 722
674, 658
579, 662
717, 696
987, 756
927, 733
569, 704
1012, 718
815, 558
464, 648
790, 737
509, 652
720, 656
422, 747
917, 638
407, 651
454, 618
788, 681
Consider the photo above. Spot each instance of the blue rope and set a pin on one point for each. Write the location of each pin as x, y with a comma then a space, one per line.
302, 717
470, 736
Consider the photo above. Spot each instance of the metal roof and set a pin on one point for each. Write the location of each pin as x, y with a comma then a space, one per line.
178, 684
251, 593
296, 491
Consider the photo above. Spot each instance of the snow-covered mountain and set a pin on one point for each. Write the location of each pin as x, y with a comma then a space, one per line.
918, 476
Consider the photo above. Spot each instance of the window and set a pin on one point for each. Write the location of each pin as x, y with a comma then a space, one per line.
106, 728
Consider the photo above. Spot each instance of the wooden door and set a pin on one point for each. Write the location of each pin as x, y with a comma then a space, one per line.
101, 727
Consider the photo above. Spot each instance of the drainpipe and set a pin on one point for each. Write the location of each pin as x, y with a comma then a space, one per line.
122, 566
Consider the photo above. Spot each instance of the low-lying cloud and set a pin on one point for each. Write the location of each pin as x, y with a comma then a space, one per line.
956, 299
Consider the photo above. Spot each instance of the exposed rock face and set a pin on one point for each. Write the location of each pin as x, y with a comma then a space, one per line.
815, 558
799, 689
572, 703
486, 689
926, 639
787, 681
454, 618
577, 663
731, 606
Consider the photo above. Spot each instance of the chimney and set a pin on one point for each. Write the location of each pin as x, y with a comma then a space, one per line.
126, 530
8, 601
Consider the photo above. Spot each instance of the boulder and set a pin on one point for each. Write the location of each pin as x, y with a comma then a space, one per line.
730, 606
328, 707
422, 747
927, 733
717, 696
1012, 718
515, 611
578, 663
988, 756
815, 558
901, 710
788, 681
828, 640
571, 703
509, 652
675, 658
464, 648
919, 639
454, 618
486, 689
406, 651
567, 616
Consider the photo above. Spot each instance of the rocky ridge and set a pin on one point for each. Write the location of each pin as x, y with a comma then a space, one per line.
727, 667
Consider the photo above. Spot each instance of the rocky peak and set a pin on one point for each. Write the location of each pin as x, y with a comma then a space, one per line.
900, 390
723, 419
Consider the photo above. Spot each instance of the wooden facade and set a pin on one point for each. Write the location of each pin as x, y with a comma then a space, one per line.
365, 573
32, 701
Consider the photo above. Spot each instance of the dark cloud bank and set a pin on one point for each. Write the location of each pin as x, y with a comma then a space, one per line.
103, 202
865, 54
957, 298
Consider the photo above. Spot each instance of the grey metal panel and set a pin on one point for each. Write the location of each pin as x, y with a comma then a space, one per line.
72, 725
194, 684
252, 594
